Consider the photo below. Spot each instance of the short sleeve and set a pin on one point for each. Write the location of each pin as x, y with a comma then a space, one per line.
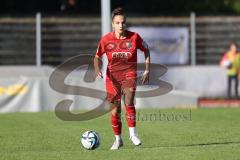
141, 44
100, 49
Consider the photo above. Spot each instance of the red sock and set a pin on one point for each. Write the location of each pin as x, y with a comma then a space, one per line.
116, 124
131, 116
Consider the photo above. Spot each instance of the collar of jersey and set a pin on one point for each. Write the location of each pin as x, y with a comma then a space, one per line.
118, 38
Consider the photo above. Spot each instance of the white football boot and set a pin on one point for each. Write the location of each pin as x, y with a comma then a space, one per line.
135, 140
117, 144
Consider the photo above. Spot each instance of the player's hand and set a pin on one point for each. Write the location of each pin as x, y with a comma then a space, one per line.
145, 76
98, 75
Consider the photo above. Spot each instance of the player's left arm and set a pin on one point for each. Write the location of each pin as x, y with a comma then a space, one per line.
146, 73
142, 45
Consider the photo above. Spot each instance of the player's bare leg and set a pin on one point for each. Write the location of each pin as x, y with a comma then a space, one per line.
129, 94
116, 125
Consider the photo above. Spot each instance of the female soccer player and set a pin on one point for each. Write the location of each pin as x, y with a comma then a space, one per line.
120, 47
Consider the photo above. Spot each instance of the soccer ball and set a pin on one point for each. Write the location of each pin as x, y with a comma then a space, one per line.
90, 140
227, 64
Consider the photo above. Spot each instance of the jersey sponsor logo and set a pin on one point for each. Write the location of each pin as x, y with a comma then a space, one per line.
110, 46
126, 45
124, 55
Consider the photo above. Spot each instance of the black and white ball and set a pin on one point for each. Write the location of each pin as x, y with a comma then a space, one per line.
90, 140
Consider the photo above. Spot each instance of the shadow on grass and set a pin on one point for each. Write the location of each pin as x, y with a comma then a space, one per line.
184, 145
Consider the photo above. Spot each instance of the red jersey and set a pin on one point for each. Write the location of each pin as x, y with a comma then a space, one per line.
121, 53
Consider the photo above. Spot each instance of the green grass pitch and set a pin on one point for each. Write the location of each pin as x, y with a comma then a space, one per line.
180, 134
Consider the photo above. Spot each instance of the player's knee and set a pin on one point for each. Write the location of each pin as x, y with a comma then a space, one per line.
116, 110
116, 113
129, 102
132, 89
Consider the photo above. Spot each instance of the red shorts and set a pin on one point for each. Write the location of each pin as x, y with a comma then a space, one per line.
116, 83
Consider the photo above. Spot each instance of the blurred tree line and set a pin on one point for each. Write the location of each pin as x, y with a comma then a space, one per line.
144, 7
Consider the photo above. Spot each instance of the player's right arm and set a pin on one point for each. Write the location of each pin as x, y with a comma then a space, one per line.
97, 61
